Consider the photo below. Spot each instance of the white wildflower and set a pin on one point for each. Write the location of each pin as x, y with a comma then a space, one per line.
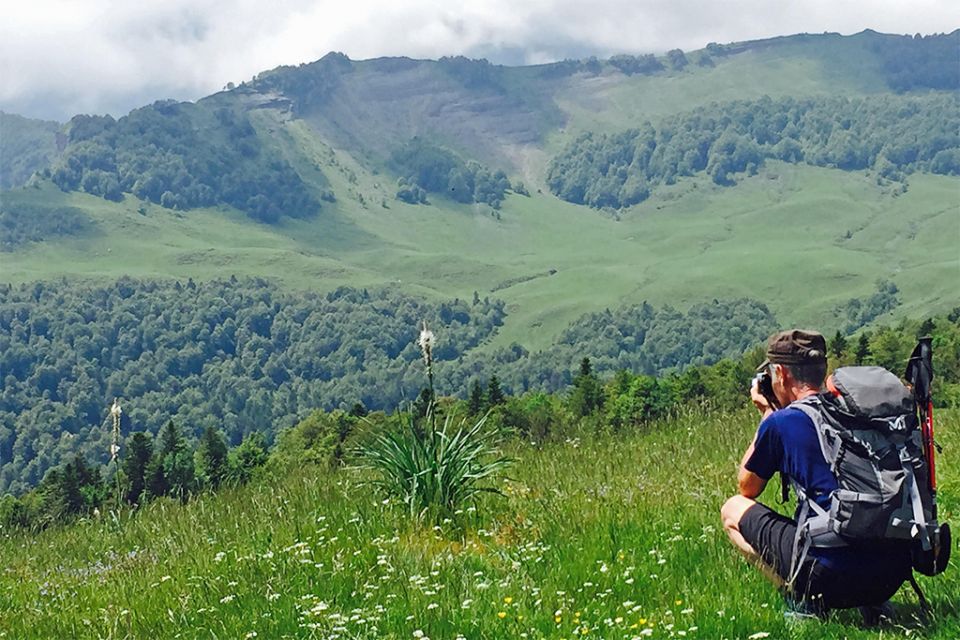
115, 412
426, 341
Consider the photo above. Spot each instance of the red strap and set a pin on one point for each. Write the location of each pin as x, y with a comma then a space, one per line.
832, 388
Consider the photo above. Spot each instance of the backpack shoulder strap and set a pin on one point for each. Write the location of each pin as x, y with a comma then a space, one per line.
827, 436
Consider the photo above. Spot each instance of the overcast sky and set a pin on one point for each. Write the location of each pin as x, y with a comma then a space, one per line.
62, 57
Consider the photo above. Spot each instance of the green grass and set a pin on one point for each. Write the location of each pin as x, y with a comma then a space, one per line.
605, 531
833, 66
778, 237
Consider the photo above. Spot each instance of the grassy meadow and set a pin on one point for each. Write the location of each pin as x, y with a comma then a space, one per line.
597, 536
549, 260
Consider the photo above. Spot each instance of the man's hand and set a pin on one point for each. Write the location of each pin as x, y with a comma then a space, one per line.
759, 400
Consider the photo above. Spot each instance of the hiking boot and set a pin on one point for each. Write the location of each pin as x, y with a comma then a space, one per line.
873, 615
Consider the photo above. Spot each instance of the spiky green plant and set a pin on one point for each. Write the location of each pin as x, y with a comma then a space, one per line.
434, 472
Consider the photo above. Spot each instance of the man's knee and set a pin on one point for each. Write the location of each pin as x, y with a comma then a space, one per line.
733, 509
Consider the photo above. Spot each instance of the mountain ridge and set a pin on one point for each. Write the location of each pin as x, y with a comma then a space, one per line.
480, 74
362, 232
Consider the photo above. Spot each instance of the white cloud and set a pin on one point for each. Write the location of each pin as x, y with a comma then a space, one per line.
59, 57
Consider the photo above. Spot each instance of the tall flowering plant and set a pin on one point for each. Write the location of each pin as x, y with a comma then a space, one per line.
115, 413
433, 471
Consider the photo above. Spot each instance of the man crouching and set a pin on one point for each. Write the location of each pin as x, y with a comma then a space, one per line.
786, 442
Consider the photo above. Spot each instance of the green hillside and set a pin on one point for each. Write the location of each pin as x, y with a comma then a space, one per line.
689, 242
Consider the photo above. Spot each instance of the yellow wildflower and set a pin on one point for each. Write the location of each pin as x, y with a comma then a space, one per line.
502, 615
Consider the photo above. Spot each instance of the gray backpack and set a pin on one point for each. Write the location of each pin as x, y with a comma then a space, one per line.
867, 425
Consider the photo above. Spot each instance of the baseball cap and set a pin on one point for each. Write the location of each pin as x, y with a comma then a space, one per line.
796, 346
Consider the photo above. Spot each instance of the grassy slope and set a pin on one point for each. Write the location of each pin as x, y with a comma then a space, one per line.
833, 66
619, 533
777, 236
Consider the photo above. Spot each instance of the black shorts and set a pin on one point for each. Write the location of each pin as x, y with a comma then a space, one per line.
772, 536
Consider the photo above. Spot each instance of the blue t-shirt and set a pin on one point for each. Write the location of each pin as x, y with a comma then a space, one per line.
787, 442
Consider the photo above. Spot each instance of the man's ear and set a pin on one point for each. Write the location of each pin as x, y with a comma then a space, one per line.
781, 374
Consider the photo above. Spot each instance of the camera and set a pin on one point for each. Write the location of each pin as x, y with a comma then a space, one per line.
765, 387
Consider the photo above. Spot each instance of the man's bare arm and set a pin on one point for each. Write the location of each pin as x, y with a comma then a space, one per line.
749, 484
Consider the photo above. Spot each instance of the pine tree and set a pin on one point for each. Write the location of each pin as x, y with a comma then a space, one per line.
586, 369
179, 471
494, 393
211, 458
170, 440
139, 452
155, 480
926, 329
475, 401
90, 483
838, 346
177, 463
863, 349
66, 497
587, 395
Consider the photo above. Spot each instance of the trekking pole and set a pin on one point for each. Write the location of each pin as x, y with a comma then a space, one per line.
920, 375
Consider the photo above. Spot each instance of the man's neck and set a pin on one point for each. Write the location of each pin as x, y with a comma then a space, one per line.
799, 393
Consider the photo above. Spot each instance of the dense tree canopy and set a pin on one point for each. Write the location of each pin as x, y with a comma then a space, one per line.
240, 357
639, 338
890, 135
921, 62
237, 356
428, 168
182, 155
